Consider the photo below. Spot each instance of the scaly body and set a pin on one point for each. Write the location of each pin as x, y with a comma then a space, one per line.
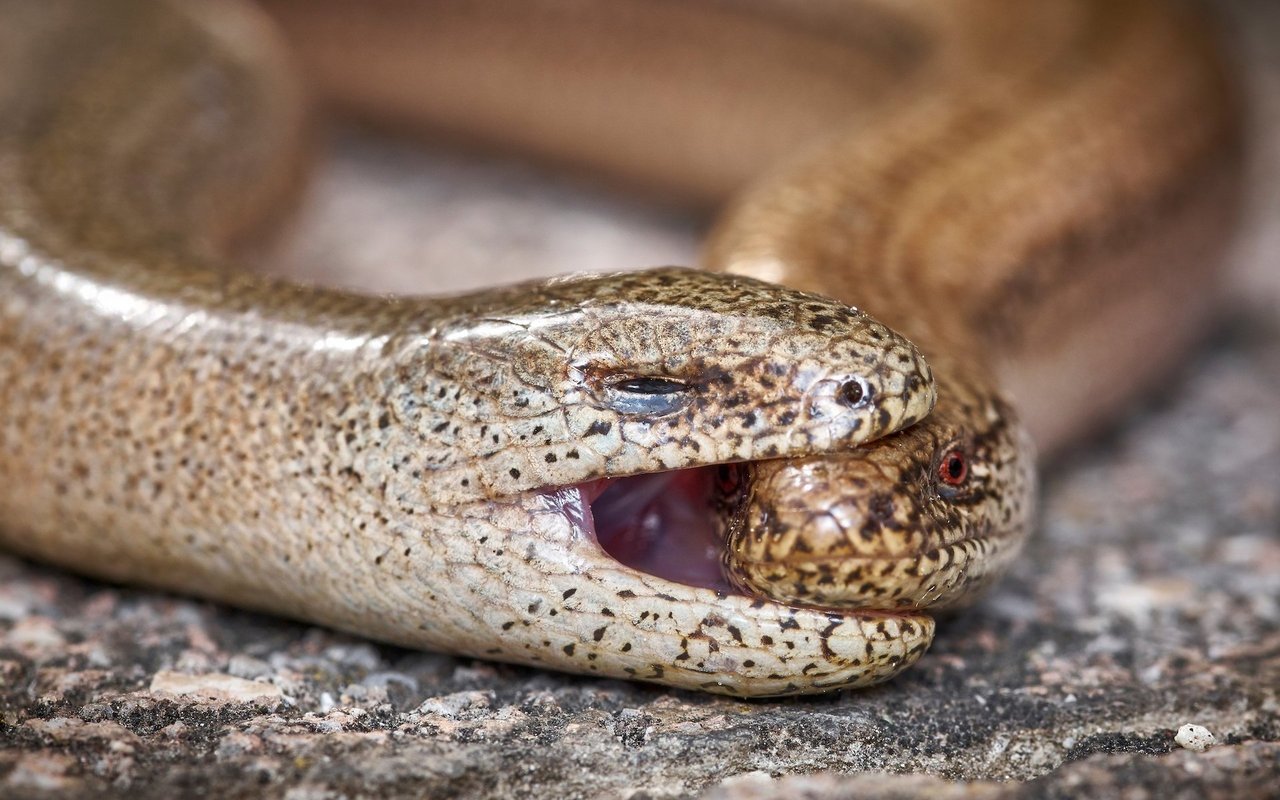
386, 466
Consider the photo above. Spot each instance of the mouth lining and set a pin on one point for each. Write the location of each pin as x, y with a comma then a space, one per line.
658, 523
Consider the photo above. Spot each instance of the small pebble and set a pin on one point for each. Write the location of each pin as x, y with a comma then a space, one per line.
1195, 737
213, 684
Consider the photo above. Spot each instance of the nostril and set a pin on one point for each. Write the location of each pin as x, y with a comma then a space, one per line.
854, 392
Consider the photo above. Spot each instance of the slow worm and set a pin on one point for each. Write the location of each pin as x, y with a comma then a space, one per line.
1035, 194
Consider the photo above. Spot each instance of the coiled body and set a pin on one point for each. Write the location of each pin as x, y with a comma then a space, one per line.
405, 469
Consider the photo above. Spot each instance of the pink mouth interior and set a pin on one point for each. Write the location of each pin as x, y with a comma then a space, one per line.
659, 524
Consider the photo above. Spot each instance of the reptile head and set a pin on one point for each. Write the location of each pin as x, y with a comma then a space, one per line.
923, 518
608, 376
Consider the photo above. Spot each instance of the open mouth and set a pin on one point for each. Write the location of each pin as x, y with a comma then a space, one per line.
658, 523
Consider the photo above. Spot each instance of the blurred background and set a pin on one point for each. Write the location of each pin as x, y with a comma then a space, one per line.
381, 208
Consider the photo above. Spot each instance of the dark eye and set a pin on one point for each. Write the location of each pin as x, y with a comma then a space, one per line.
647, 396
954, 468
649, 386
854, 393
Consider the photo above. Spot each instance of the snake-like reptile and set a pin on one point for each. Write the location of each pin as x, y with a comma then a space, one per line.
1034, 193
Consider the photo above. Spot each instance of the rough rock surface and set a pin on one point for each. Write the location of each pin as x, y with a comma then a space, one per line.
1149, 599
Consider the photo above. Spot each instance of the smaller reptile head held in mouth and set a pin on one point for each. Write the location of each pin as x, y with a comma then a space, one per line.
616, 375
921, 519
826, 569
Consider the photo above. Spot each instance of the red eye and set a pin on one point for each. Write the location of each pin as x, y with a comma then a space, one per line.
954, 468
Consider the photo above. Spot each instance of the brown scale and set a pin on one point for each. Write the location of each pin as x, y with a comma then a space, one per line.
920, 519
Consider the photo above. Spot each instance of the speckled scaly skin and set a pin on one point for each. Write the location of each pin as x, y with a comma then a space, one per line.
894, 529
369, 463
1032, 191
1038, 194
